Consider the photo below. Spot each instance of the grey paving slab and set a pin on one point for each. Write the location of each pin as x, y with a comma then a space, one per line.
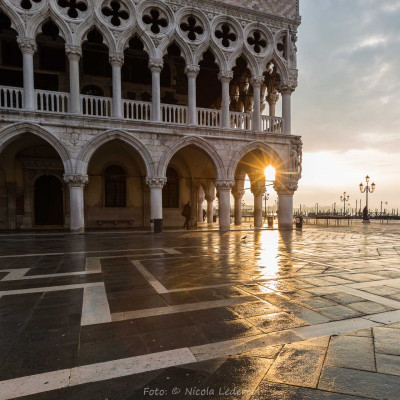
388, 364
369, 307
339, 312
387, 340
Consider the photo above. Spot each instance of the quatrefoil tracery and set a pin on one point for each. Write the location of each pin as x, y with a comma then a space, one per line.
73, 7
27, 4
115, 12
155, 21
225, 35
257, 42
192, 28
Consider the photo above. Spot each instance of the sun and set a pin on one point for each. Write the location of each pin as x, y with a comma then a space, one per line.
269, 173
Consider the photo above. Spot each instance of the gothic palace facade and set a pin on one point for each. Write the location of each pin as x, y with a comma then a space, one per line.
116, 113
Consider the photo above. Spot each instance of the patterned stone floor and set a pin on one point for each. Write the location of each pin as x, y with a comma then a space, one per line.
200, 315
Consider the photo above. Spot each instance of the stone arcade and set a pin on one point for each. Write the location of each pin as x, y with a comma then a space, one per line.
116, 113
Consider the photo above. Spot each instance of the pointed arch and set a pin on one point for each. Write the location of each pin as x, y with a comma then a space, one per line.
148, 44
217, 53
94, 144
42, 18
276, 160
16, 22
280, 65
108, 39
200, 143
181, 44
13, 131
252, 63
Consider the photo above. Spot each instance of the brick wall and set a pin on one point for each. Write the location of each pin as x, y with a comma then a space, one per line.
282, 8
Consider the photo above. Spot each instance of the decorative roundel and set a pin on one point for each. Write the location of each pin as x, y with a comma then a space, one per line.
155, 20
226, 35
115, 13
192, 28
28, 5
257, 41
74, 9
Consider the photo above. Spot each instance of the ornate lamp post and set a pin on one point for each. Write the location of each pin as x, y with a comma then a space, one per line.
366, 190
265, 198
344, 198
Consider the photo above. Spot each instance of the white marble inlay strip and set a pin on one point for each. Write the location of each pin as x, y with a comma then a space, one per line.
389, 317
372, 297
50, 288
157, 285
172, 251
14, 274
95, 308
51, 275
381, 282
152, 312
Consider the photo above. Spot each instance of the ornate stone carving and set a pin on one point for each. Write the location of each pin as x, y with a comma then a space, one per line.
155, 20
257, 81
73, 7
226, 35
27, 45
116, 59
192, 70
257, 41
156, 64
225, 75
115, 13
238, 194
286, 187
257, 190
76, 180
192, 28
157, 182
224, 184
73, 52
287, 87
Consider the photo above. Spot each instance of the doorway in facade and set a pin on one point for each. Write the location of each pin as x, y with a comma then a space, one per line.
49, 207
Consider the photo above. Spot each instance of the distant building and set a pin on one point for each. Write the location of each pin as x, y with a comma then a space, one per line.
116, 113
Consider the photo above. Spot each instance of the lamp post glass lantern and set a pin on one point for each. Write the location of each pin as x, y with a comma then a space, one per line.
344, 198
367, 189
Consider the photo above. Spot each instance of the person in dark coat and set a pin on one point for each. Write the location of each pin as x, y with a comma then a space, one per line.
187, 213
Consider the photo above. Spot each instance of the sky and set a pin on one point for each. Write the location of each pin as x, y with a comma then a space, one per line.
347, 104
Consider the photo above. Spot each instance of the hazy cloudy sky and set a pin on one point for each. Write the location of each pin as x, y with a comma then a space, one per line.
347, 105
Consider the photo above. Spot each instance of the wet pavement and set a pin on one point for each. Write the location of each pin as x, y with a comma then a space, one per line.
203, 315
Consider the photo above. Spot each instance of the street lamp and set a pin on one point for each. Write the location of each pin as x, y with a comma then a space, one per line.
265, 198
343, 199
367, 189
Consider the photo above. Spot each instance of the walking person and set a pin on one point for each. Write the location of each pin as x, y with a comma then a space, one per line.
187, 213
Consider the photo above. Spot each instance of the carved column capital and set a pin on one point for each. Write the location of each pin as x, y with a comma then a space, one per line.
257, 81
287, 87
73, 52
272, 98
224, 184
27, 45
238, 194
156, 64
257, 190
156, 182
76, 180
225, 76
286, 187
116, 59
192, 70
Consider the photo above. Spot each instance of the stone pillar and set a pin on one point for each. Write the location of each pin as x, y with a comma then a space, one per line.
285, 192
192, 71
238, 195
28, 48
156, 210
76, 184
116, 61
11, 188
224, 190
74, 54
225, 77
257, 82
258, 192
156, 66
200, 204
286, 90
272, 99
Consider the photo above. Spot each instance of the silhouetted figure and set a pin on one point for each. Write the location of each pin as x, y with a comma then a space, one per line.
365, 214
187, 213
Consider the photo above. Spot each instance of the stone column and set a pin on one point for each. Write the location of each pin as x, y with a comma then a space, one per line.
238, 195
192, 71
224, 190
258, 192
28, 48
156, 66
11, 188
76, 184
200, 204
74, 54
156, 211
285, 192
272, 99
257, 82
286, 90
116, 61
225, 77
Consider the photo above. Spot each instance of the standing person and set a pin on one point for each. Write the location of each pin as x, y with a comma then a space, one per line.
187, 213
